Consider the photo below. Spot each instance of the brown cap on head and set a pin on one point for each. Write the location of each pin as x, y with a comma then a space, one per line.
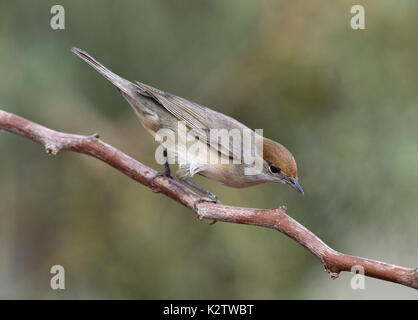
277, 155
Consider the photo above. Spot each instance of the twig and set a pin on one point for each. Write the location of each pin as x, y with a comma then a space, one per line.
333, 261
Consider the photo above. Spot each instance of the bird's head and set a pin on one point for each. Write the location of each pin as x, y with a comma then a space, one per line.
280, 165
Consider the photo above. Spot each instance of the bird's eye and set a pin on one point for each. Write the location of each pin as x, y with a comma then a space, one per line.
273, 169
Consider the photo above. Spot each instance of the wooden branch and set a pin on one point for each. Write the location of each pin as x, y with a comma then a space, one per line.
333, 261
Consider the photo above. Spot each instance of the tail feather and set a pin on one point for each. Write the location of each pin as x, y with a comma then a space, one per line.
122, 84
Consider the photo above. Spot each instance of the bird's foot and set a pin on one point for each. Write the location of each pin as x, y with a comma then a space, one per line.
165, 173
210, 198
209, 195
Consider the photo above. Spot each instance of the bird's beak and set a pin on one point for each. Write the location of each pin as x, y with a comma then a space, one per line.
295, 185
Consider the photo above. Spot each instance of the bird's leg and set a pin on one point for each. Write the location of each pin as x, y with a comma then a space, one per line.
209, 197
166, 172
183, 173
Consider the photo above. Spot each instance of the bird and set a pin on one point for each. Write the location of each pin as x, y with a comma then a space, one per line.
158, 110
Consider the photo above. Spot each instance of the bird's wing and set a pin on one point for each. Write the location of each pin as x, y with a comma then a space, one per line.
195, 116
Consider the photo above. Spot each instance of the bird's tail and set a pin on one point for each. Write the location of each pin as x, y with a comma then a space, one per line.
122, 84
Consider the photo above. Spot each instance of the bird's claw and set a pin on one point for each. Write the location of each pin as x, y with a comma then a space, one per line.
163, 173
213, 198
210, 198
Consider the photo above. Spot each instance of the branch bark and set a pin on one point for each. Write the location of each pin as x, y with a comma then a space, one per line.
333, 261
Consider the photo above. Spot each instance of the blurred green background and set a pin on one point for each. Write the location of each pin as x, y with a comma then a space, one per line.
343, 101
